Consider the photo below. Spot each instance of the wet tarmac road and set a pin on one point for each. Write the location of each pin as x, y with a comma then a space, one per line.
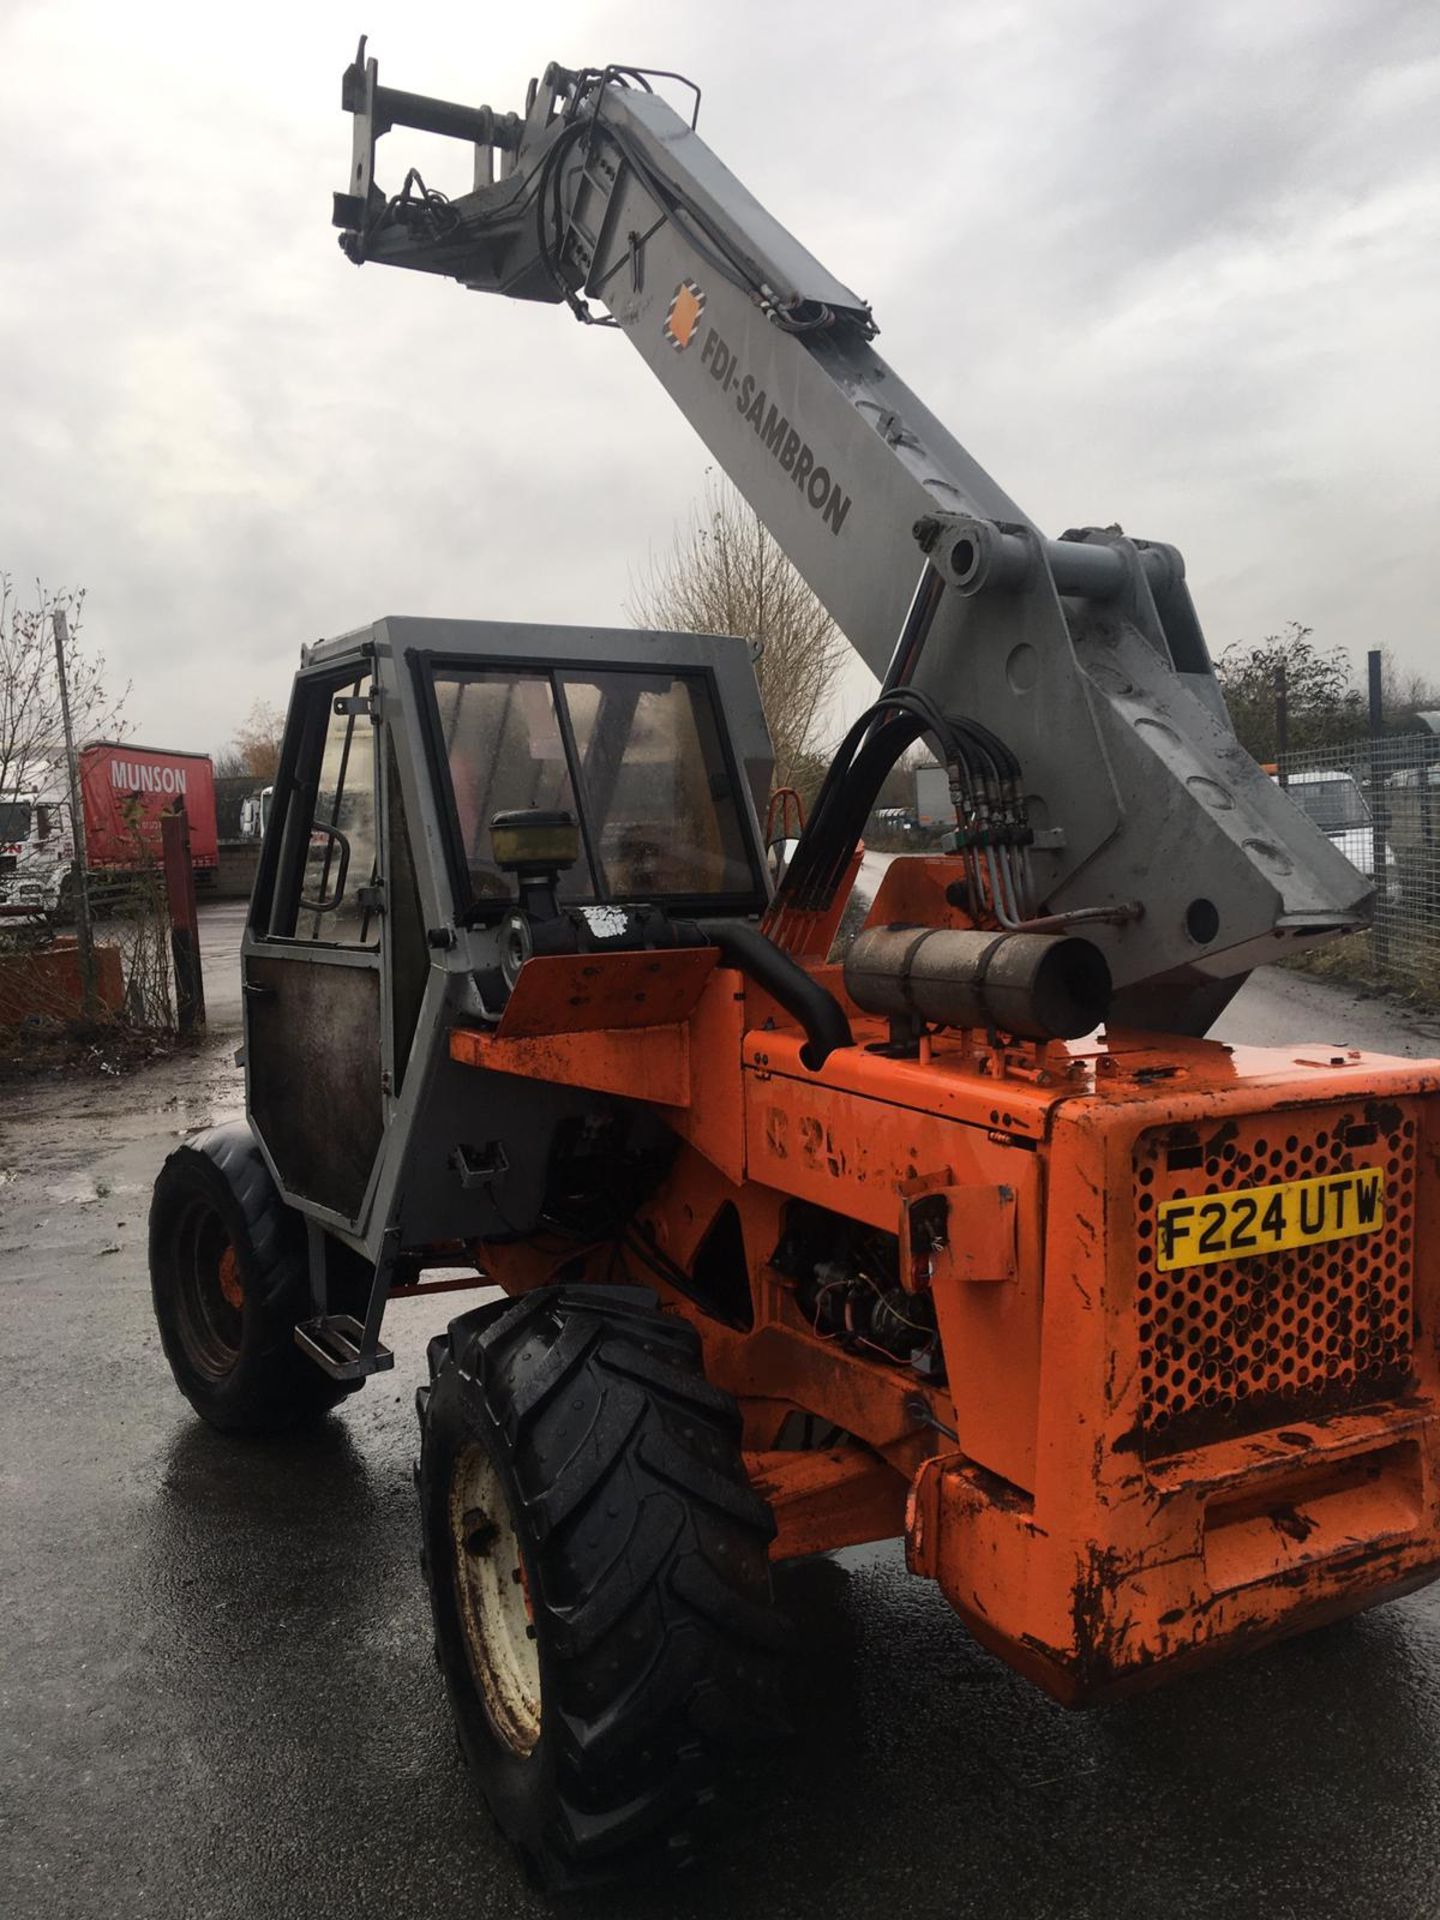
217, 1697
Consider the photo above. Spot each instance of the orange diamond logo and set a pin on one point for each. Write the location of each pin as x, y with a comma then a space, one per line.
683, 318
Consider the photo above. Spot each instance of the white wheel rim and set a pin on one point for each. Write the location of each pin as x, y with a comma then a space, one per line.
495, 1610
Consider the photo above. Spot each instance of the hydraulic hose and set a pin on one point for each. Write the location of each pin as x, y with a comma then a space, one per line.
785, 980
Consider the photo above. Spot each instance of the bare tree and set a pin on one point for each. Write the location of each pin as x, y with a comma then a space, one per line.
257, 742
1407, 693
725, 574
31, 735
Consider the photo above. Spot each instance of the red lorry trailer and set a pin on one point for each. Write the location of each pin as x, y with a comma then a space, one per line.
124, 791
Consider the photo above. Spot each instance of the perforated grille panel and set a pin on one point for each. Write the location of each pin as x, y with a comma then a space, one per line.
1252, 1342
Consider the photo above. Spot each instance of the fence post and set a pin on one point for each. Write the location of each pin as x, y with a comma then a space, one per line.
1282, 725
1428, 888
84, 926
184, 919
1379, 817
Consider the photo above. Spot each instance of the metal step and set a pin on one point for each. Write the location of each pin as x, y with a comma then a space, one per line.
336, 1342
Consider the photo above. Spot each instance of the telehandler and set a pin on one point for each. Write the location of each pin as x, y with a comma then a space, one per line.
966, 1234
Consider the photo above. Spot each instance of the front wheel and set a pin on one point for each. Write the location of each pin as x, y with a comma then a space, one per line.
229, 1277
598, 1576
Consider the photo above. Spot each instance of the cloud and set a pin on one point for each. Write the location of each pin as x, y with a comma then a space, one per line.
1176, 267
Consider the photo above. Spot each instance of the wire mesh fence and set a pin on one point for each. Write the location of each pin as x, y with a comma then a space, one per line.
1378, 802
138, 921
42, 998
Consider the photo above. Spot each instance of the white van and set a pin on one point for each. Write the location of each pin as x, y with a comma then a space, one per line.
1332, 799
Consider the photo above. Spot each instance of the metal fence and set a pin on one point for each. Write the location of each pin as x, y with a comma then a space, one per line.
1378, 801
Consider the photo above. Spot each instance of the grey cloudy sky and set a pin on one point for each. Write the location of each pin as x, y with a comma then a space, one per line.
1173, 266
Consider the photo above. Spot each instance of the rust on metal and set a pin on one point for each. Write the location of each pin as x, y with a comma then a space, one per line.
1126, 1467
232, 1287
651, 1062
824, 1499
580, 992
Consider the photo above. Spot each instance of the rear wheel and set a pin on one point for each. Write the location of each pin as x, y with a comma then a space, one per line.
598, 1576
229, 1279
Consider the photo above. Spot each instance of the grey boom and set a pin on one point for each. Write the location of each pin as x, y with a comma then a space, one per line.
1084, 654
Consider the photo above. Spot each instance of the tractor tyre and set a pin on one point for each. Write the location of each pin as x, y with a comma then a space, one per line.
598, 1577
229, 1276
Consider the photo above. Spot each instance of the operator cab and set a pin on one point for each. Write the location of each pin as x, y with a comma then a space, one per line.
384, 913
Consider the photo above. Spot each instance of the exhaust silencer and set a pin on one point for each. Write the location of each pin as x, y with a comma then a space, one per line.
1038, 986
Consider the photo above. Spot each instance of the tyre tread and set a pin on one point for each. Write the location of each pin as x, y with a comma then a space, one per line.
280, 1387
650, 1558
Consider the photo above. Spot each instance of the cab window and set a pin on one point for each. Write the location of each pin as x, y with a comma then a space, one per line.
326, 891
636, 755
657, 789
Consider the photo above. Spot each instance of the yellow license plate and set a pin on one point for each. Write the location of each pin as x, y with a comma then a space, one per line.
1298, 1213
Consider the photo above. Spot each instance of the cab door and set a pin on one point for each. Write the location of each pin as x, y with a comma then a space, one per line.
317, 1040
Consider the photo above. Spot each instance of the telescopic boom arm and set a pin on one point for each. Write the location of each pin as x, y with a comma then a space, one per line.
1083, 655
